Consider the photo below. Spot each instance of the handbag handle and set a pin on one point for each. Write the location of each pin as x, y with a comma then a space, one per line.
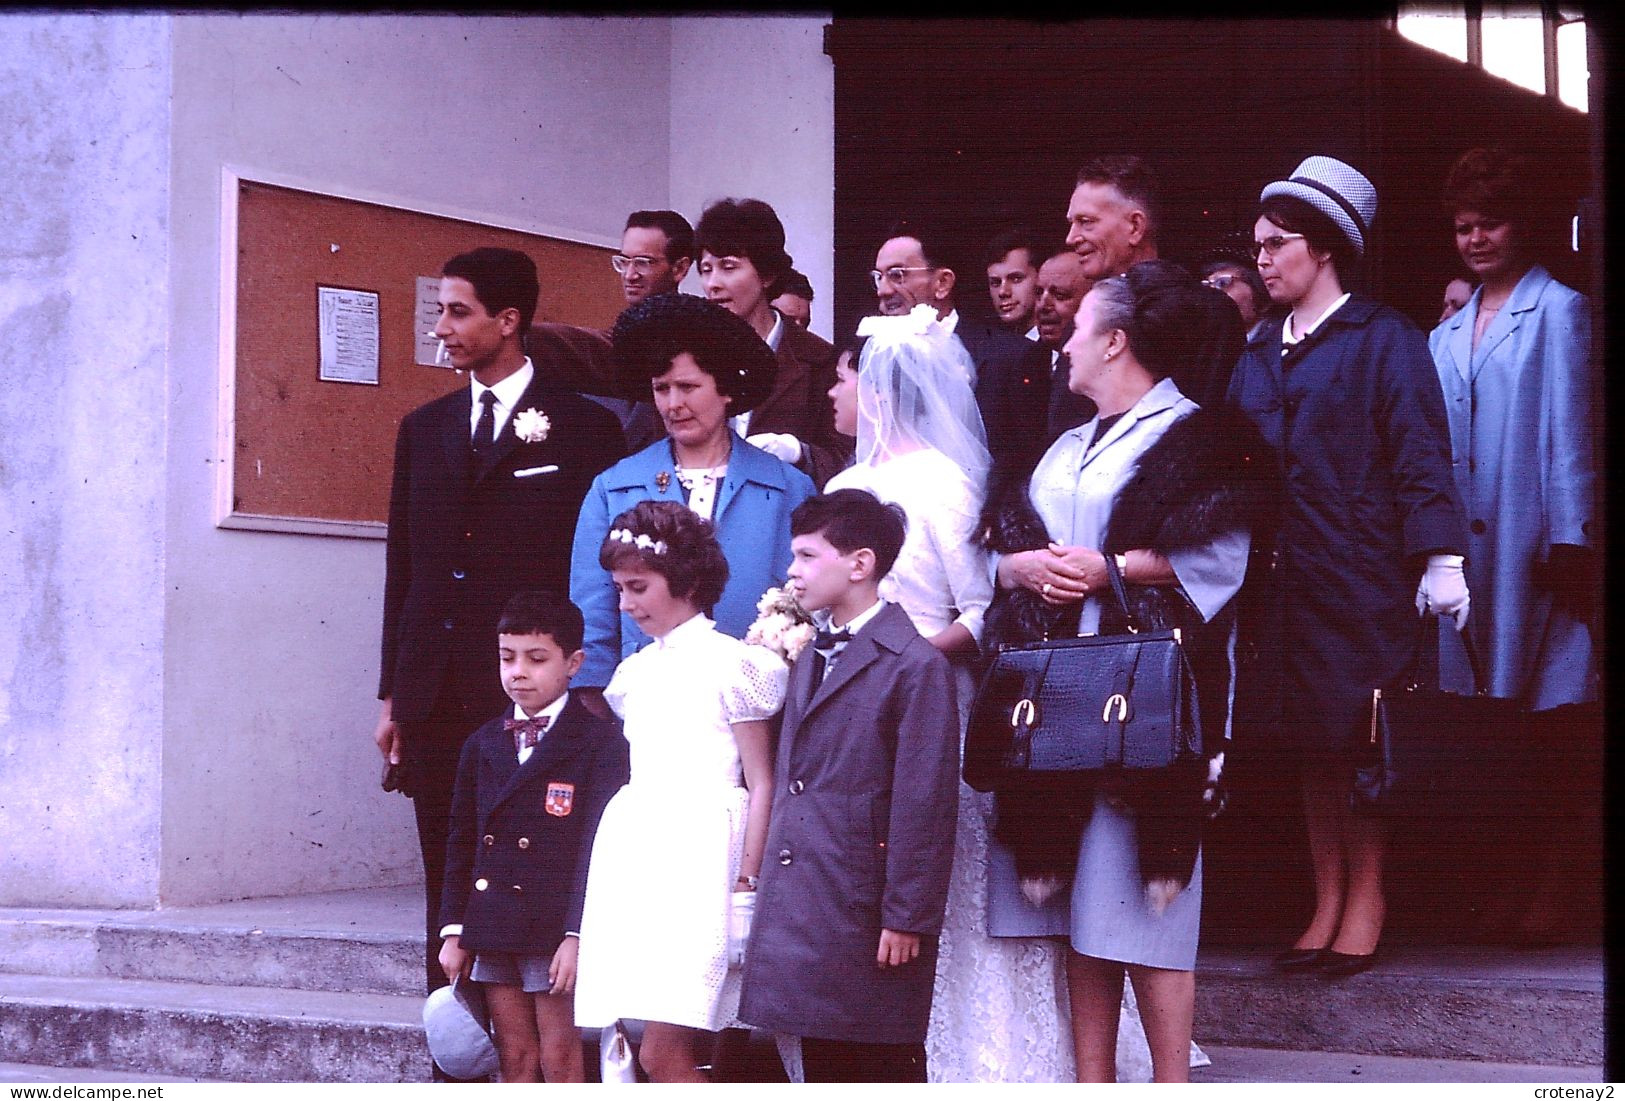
1480, 687
1114, 577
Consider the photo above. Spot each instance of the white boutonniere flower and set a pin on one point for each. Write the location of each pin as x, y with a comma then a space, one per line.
531, 425
783, 626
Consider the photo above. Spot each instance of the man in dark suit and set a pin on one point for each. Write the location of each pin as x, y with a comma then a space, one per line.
913, 267
1061, 287
488, 481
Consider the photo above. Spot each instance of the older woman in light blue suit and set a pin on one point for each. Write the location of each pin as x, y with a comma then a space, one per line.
1515, 366
703, 366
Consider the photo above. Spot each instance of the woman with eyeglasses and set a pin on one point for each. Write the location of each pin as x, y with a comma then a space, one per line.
1344, 391
1515, 365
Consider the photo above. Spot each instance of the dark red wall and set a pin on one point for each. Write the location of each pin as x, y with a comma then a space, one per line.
986, 122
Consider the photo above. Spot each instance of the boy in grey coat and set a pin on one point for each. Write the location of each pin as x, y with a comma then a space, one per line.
843, 949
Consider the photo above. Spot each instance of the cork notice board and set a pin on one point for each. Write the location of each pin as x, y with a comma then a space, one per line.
312, 456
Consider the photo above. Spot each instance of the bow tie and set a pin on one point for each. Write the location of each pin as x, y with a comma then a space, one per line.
828, 640
526, 732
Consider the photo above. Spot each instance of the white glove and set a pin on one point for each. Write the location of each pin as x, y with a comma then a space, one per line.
1443, 589
780, 445
741, 915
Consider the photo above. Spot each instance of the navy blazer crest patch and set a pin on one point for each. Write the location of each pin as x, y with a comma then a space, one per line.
560, 798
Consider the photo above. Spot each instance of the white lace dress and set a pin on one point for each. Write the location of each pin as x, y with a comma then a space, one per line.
654, 928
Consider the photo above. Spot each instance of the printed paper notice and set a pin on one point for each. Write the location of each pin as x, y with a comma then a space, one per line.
348, 323
426, 315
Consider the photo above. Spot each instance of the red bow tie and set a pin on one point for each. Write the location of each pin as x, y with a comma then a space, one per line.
526, 732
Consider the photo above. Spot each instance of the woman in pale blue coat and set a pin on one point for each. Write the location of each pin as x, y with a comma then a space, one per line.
1515, 367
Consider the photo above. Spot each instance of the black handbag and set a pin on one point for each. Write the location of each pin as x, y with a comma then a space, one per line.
1048, 711
1425, 753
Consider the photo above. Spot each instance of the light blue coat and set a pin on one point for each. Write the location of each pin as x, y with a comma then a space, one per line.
1523, 422
752, 518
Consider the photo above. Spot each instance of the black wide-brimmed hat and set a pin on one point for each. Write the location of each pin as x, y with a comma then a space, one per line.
649, 335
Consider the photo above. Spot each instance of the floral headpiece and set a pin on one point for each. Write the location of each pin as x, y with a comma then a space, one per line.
920, 322
642, 542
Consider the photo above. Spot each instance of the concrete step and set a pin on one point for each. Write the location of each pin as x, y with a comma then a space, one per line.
1251, 1064
34, 1073
1540, 1008
224, 1033
343, 941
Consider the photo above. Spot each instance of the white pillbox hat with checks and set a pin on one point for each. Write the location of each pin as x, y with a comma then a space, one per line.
1337, 190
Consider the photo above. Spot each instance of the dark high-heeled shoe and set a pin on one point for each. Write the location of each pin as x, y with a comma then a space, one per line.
1299, 959
1340, 965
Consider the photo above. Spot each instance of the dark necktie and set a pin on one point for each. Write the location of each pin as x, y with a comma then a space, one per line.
485, 430
1060, 395
526, 732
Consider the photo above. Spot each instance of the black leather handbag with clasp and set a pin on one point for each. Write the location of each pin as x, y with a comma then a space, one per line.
1423, 753
1068, 707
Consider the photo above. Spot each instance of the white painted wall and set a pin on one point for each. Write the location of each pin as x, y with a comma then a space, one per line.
753, 116
270, 775
83, 298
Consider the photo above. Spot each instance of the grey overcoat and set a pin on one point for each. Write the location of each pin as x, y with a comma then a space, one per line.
865, 795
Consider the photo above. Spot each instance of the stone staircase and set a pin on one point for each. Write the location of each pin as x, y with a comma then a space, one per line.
325, 988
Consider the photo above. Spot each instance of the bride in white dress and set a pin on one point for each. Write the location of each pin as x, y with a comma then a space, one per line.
999, 1010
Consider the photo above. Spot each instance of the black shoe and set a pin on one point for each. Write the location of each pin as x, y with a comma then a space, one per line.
1300, 959
1340, 965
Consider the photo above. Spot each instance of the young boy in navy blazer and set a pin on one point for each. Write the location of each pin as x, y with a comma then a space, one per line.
531, 786
843, 948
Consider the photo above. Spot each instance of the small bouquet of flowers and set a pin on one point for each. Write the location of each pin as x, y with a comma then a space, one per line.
782, 625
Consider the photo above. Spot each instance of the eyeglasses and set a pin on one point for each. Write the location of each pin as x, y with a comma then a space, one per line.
643, 265
894, 276
1273, 243
1219, 282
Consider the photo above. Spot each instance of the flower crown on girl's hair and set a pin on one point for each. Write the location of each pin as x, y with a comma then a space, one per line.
641, 541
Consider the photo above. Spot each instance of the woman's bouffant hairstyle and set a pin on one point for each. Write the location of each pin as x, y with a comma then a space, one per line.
748, 228
1494, 183
1320, 233
1157, 305
673, 541
649, 335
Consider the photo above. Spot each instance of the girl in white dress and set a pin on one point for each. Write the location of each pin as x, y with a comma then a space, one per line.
683, 834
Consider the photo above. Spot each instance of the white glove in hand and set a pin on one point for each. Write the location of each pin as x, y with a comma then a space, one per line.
1443, 590
780, 445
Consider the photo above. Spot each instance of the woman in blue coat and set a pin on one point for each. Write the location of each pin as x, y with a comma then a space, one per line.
1344, 391
1515, 367
703, 365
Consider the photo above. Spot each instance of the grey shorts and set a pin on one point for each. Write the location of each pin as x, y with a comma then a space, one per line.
529, 973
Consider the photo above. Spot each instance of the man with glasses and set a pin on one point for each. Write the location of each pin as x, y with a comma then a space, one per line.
657, 249
1238, 278
914, 267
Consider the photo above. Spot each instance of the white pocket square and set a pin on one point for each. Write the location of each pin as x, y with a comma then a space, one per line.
532, 471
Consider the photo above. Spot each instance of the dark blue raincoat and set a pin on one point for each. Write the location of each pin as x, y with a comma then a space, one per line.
1356, 417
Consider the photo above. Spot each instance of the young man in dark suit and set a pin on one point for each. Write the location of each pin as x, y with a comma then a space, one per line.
915, 266
488, 482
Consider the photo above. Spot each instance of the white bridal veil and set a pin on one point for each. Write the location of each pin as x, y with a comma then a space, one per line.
915, 390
